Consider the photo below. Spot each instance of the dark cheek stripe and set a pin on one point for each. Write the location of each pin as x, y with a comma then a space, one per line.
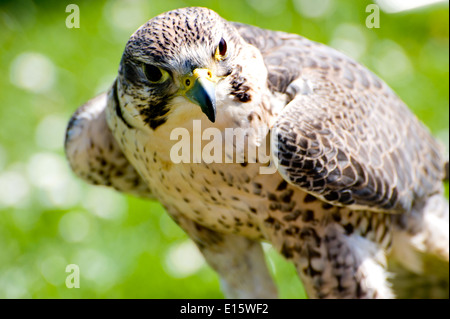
118, 109
155, 114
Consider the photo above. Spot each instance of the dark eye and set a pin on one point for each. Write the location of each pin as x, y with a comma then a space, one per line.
152, 73
222, 48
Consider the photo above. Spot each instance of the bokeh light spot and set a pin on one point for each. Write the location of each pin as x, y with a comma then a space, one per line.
183, 259
313, 9
391, 61
50, 132
394, 6
349, 39
105, 203
53, 269
49, 172
74, 227
126, 15
99, 269
15, 189
14, 283
33, 72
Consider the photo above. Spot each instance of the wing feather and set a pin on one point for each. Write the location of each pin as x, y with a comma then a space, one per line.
345, 136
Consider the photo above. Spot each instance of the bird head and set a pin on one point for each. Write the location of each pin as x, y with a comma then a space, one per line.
181, 59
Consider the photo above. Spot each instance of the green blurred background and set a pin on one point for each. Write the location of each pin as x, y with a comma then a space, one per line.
126, 247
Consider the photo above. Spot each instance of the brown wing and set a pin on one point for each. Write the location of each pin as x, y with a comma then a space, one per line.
345, 136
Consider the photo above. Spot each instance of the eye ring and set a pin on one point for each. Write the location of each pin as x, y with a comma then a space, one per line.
154, 74
221, 50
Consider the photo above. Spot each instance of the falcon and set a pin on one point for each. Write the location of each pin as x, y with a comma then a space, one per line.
352, 194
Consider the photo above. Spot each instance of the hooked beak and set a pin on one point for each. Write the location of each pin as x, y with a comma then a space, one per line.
201, 90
